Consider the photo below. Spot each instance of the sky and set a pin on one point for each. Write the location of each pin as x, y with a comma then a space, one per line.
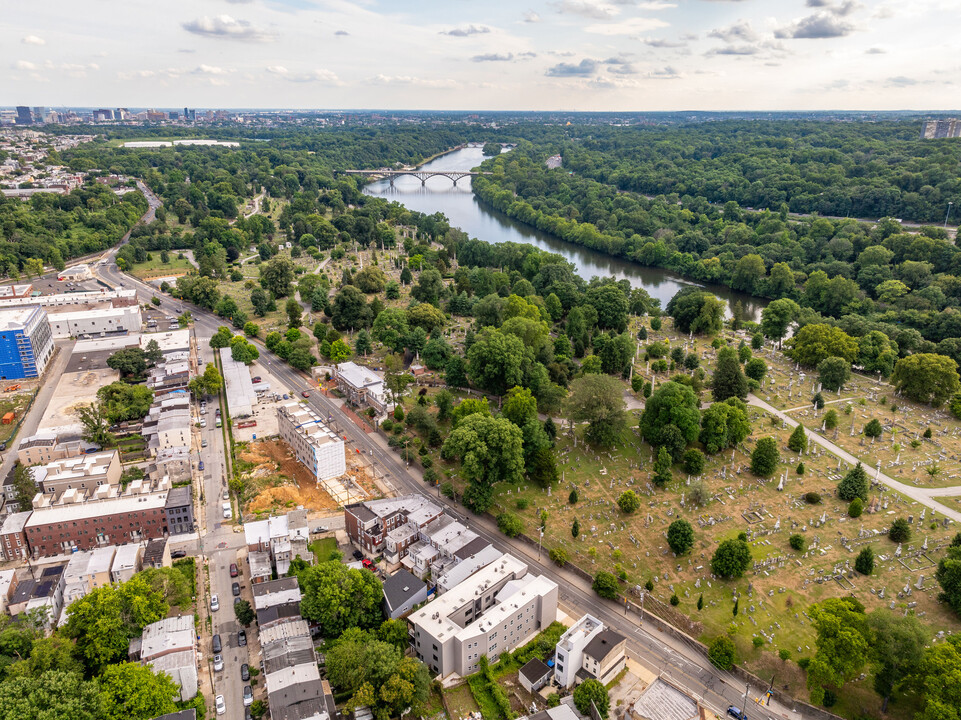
574, 55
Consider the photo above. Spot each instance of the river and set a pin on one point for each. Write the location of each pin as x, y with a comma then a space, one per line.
467, 213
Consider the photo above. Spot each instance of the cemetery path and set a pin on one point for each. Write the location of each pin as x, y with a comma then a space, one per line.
922, 495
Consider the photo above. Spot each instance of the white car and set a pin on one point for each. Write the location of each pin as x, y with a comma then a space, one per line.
214, 603
248, 696
218, 663
221, 707
227, 510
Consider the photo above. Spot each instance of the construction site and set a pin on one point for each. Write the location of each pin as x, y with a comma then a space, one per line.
276, 481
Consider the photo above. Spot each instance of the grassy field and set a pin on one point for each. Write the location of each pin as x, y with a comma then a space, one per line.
17, 404
323, 549
155, 268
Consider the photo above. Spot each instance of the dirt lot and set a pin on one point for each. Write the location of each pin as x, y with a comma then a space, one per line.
279, 481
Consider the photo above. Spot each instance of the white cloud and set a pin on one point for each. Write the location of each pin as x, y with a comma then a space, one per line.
631, 26
815, 27
24, 65
587, 8
531, 17
228, 28
412, 80
33, 40
325, 77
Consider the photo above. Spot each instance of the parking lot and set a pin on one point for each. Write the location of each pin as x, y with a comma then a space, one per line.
156, 319
52, 286
265, 411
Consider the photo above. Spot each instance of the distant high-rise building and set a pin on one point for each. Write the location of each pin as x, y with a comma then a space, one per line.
190, 115
121, 114
23, 115
102, 115
937, 129
173, 115
39, 113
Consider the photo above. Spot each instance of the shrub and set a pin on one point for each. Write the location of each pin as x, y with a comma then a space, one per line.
388, 424
856, 508
558, 556
605, 585
757, 641
675, 600
900, 531
572, 498
721, 652
864, 562
785, 655
873, 429
522, 503
700, 601
649, 585
628, 502
765, 458
510, 524
731, 559
798, 441
591, 691
804, 662
927, 434
800, 468
812, 498
796, 542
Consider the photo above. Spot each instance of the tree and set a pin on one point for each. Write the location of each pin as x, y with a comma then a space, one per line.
24, 486
796, 542
749, 274
731, 558
877, 353
277, 276
245, 613
854, 485
152, 353
873, 429
575, 528
729, 380
131, 691
864, 562
294, 313
129, 362
756, 369
926, 378
842, 644
605, 585
53, 695
103, 622
542, 469
830, 420
95, 424
430, 286
469, 406
833, 372
628, 502
798, 441
520, 406
455, 373
390, 327
721, 652
680, 536
261, 301
897, 648
777, 317
251, 329
591, 692
339, 597
856, 508
170, 583
611, 305
497, 361
948, 576
598, 400
765, 458
350, 309
662, 467
221, 338
816, 342
339, 351
363, 344
243, 351
490, 451
724, 425
693, 462
695, 310
938, 681
122, 402
900, 531
672, 405
427, 317
371, 279
509, 524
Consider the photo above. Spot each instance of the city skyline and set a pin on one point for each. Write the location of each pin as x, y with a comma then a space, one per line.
571, 55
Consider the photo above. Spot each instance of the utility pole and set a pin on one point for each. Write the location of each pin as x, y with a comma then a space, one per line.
947, 214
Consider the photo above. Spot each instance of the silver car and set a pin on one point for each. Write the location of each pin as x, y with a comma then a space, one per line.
218, 663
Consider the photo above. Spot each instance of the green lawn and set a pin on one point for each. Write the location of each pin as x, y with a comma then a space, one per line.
324, 549
153, 267
16, 403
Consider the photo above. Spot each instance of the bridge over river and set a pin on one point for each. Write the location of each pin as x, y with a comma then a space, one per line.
422, 175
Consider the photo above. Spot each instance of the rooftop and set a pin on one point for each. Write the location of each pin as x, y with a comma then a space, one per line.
16, 318
15, 522
153, 554
166, 636
535, 670
400, 587
241, 396
601, 644
284, 630
358, 375
172, 340
663, 701
308, 423
77, 511
288, 652
579, 631
292, 675
178, 496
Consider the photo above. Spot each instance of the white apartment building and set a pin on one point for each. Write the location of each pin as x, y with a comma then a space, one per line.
569, 656
314, 444
492, 612
83, 473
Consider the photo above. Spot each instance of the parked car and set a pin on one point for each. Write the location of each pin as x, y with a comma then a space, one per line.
216, 645
235, 589
218, 663
228, 513
200, 465
221, 707
248, 695
367, 563
214, 603
305, 394
736, 713
203, 443
286, 396
176, 554
242, 639
203, 422
255, 380
358, 554
244, 672
226, 494
320, 529
233, 570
